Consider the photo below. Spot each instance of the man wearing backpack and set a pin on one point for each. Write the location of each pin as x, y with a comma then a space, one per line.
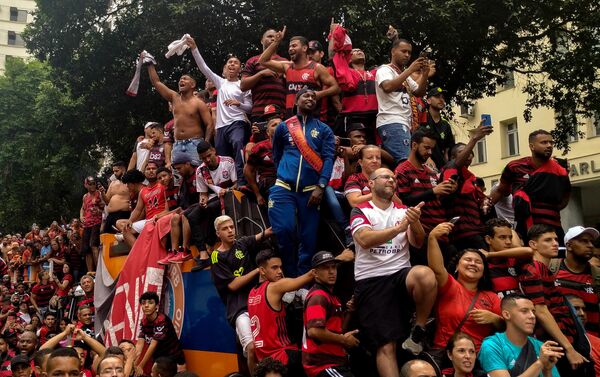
576, 276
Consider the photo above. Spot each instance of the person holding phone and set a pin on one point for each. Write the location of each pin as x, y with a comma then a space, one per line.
468, 200
419, 183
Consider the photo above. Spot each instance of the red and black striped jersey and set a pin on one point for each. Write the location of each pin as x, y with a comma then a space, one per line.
581, 285
363, 99
465, 202
504, 275
163, 331
261, 158
537, 283
415, 185
357, 182
551, 182
322, 310
268, 90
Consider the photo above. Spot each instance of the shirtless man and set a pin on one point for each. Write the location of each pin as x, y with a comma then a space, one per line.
117, 197
193, 121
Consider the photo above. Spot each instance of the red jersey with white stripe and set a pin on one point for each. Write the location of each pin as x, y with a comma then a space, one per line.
213, 181
268, 326
154, 198
385, 259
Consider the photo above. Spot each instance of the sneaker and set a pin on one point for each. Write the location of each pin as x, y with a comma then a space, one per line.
413, 342
201, 264
180, 257
165, 260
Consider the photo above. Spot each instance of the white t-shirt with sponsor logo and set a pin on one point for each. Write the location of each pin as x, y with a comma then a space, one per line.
382, 260
394, 107
213, 181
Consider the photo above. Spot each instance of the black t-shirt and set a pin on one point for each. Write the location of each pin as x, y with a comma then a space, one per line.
226, 266
445, 139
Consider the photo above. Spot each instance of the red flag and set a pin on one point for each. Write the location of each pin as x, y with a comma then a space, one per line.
342, 46
141, 273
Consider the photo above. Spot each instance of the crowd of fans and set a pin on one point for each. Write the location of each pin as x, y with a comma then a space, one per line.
447, 279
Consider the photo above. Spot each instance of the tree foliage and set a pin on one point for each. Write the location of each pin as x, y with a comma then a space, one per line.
475, 42
42, 165
92, 45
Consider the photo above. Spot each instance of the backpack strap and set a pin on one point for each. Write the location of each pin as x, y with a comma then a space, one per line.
554, 265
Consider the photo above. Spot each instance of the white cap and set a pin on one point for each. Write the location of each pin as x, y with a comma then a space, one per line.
578, 230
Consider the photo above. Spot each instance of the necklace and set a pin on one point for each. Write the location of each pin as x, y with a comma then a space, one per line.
363, 77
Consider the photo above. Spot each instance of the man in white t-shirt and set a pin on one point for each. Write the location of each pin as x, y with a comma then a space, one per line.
232, 129
394, 90
386, 284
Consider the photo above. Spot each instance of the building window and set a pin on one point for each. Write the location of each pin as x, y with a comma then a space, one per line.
15, 39
595, 124
510, 80
480, 152
511, 138
574, 138
17, 15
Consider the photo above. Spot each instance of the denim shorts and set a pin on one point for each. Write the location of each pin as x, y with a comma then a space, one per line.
395, 138
186, 149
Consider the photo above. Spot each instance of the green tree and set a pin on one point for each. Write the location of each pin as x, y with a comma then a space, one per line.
41, 159
475, 42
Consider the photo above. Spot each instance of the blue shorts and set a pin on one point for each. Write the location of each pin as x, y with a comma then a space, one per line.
395, 138
187, 149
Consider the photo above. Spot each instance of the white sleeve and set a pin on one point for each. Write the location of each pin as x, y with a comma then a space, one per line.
218, 80
201, 185
384, 73
232, 172
246, 103
412, 84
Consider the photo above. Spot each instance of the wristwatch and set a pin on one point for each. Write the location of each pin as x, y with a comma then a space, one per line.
321, 186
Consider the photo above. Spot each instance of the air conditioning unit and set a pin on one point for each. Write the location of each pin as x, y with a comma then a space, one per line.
467, 110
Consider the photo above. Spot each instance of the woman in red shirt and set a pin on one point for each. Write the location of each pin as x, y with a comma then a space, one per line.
465, 302
66, 283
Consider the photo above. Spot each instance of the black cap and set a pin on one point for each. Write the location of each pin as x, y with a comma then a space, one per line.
435, 91
322, 257
355, 127
19, 360
302, 91
315, 46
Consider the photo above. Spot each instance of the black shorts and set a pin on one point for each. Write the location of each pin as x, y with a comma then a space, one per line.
336, 372
111, 220
91, 238
384, 308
